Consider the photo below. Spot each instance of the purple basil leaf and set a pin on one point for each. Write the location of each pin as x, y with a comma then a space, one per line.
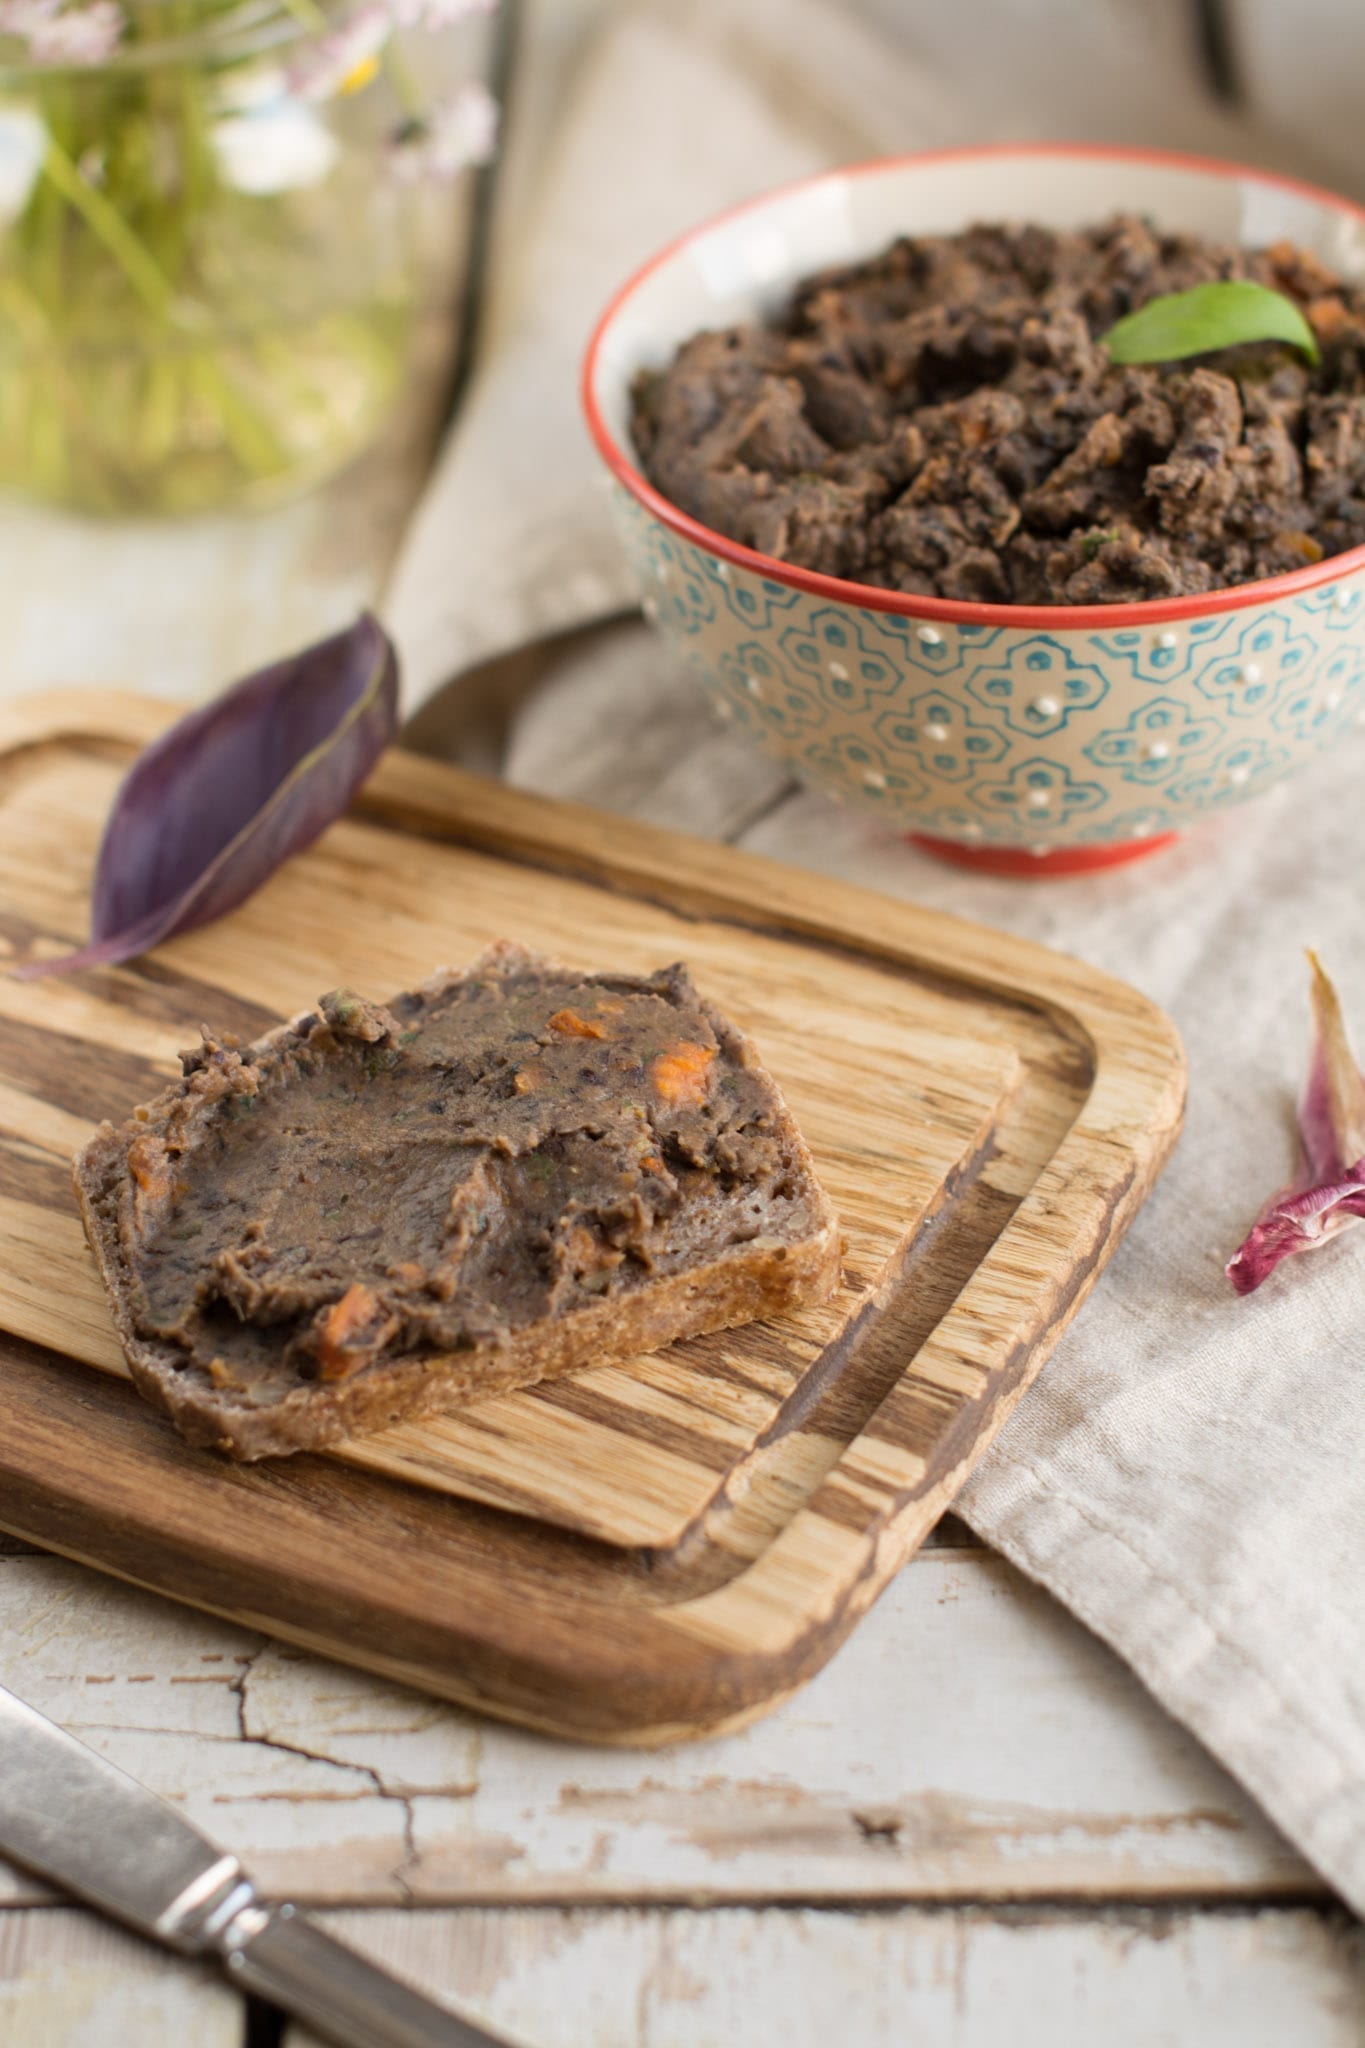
209, 811
1329, 1193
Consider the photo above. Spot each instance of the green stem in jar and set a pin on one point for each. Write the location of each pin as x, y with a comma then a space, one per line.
309, 16
249, 436
143, 273
169, 338
312, 19
406, 90
247, 433
198, 169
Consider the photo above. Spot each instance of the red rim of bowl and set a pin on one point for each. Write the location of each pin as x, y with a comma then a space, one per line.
867, 597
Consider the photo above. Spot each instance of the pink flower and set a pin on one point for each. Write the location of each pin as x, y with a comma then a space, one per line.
1329, 1194
26, 17
60, 35
347, 58
456, 133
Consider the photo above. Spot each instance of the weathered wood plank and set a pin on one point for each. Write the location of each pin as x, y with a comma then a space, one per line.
970, 1742
68, 1980
958, 1979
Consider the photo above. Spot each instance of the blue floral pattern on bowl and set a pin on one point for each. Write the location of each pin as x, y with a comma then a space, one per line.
1011, 737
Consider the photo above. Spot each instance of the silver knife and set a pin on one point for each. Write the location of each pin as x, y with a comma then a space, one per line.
74, 1818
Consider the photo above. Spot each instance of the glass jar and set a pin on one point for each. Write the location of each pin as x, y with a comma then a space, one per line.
206, 272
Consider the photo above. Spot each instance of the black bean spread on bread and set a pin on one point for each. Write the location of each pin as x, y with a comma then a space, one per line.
507, 1171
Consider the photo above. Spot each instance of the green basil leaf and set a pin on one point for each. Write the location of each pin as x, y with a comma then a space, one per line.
1209, 316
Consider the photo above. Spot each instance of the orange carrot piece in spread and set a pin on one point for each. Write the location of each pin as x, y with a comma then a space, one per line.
148, 1166
1293, 541
571, 1025
680, 1074
1327, 316
345, 1319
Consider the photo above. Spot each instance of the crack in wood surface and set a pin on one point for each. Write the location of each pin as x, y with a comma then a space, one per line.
323, 1779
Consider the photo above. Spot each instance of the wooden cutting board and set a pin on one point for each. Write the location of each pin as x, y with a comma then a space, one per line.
642, 1551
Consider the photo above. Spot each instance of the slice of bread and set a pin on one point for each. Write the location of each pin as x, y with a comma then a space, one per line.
375, 1213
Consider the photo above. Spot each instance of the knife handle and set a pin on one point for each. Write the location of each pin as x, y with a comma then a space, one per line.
283, 1956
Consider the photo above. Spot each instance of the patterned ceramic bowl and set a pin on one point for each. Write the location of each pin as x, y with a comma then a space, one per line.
1021, 738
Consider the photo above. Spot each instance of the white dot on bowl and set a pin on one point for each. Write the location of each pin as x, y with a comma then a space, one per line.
929, 636
1041, 850
1046, 707
661, 571
1143, 828
1331, 700
1250, 672
651, 611
971, 831
872, 780
1343, 600
838, 671
752, 683
1167, 640
1039, 799
723, 571
935, 731
1241, 773
1156, 750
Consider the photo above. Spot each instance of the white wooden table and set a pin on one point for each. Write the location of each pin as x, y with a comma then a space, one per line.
1049, 1860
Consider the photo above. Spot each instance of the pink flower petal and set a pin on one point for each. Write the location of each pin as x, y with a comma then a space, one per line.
60, 35
331, 64
1297, 1223
1329, 1193
1332, 1112
453, 136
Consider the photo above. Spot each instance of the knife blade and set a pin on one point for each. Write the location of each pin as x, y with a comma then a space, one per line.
76, 1819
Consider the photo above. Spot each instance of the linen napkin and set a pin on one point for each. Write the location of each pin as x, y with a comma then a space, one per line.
1188, 1474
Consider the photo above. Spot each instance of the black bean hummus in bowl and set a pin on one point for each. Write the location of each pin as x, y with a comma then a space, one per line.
944, 419
922, 521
